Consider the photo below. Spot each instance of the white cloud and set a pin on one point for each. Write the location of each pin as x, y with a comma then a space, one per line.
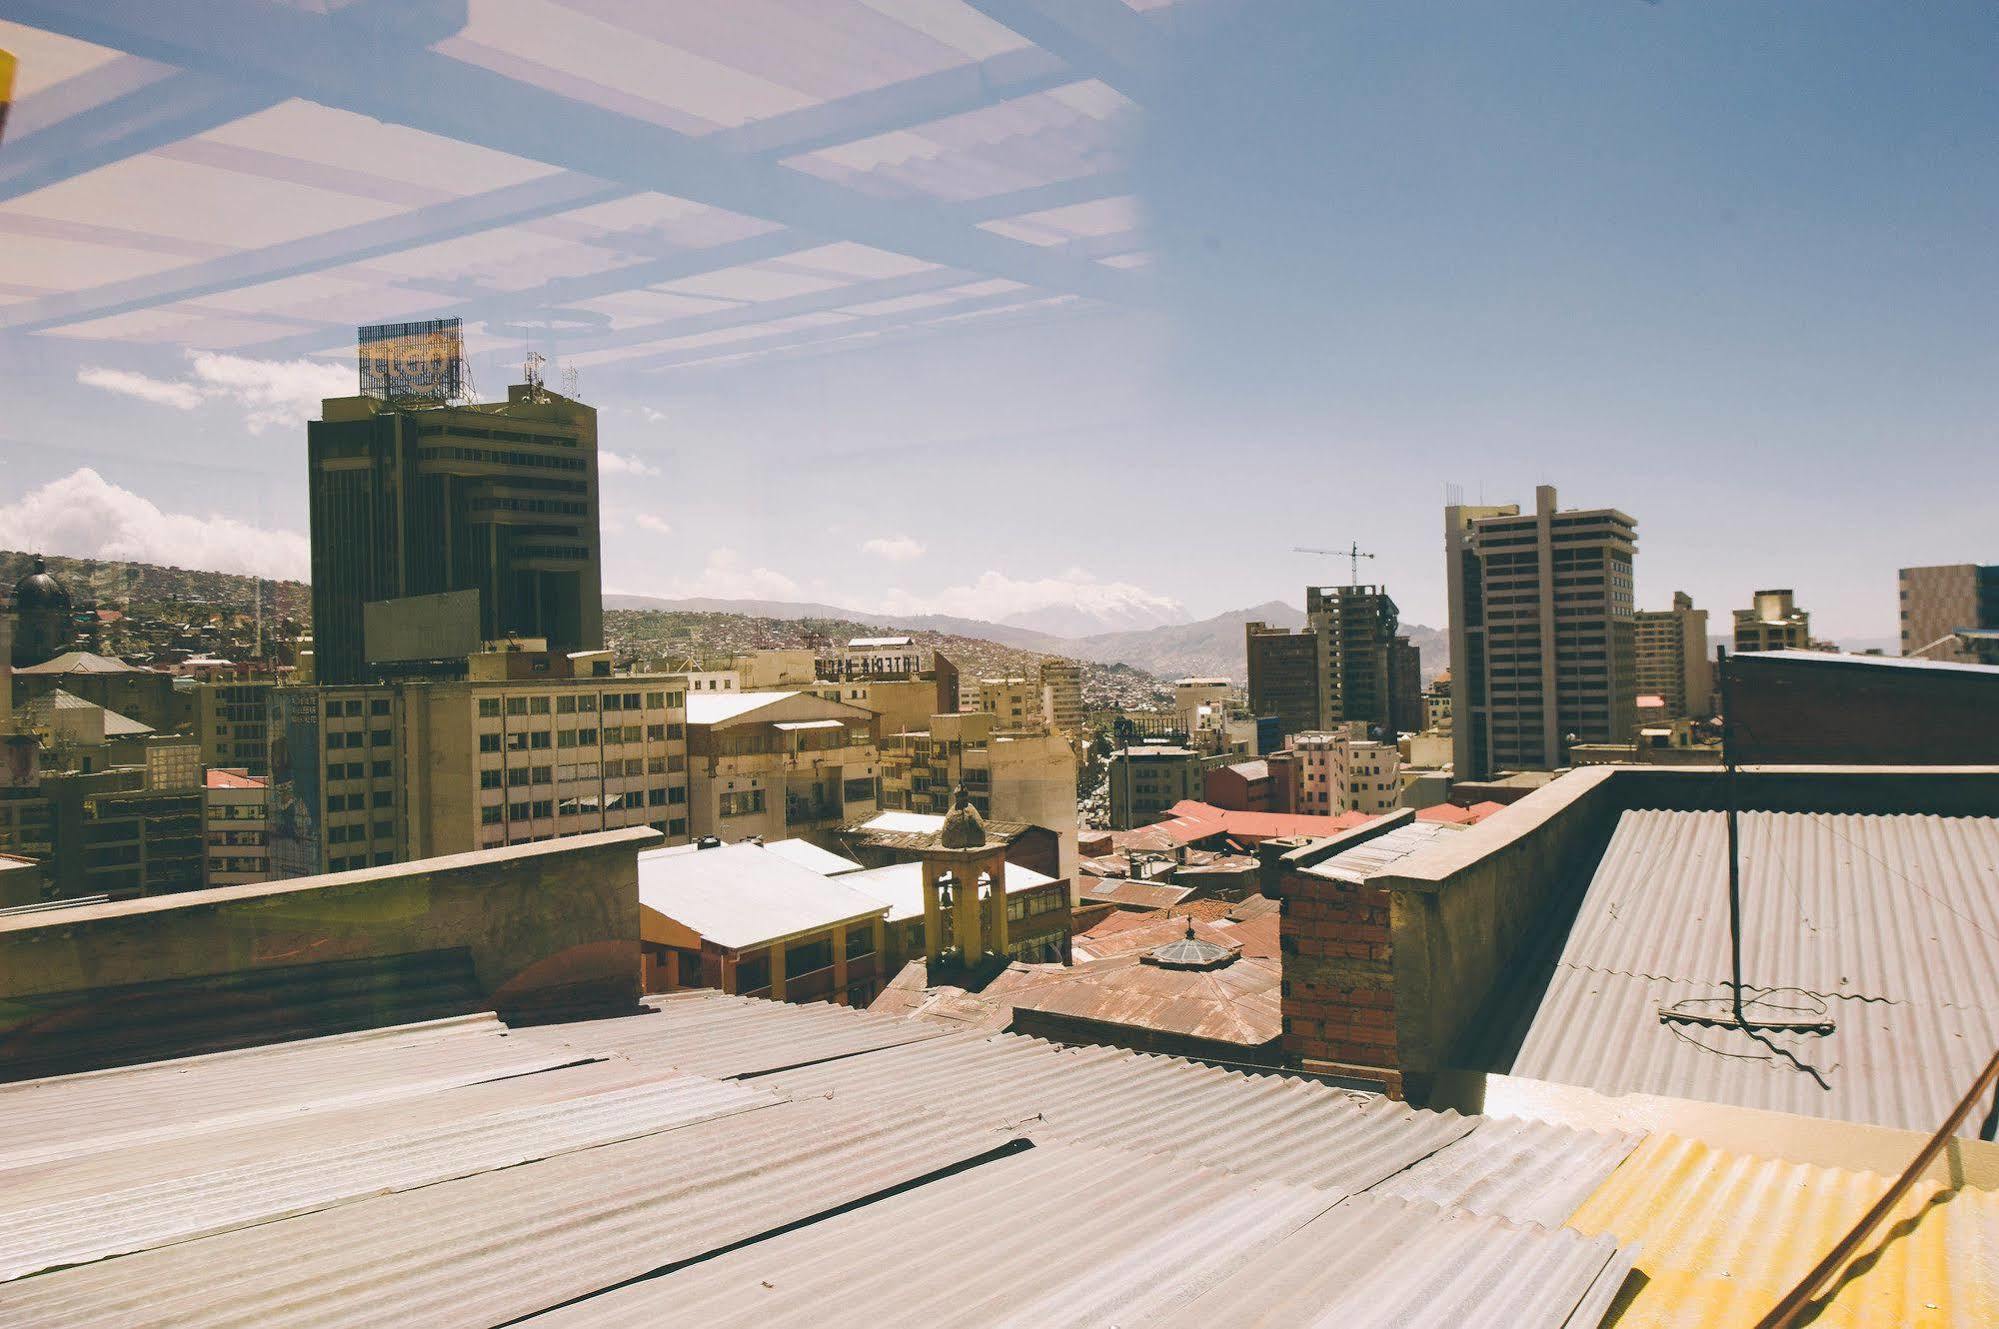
724, 577
1073, 601
648, 522
159, 391
652, 416
284, 393
617, 463
272, 392
83, 515
897, 549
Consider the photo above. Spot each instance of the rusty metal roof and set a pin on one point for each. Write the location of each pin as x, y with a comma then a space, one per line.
760, 1161
1722, 1236
1890, 924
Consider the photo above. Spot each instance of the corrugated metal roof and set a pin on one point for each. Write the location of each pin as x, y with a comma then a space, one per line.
1887, 1063
1904, 908
742, 895
1375, 1262
161, 1101
102, 1222
507, 1243
706, 1033
1528, 1171
1152, 1241
1722, 1237
1261, 1125
1888, 923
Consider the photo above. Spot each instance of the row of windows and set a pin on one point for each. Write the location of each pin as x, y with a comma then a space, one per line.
352, 706
355, 770
587, 702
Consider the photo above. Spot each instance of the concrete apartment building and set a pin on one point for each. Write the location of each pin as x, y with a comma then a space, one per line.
1342, 770
1202, 703
1147, 781
235, 828
1014, 703
778, 764
1062, 695
1356, 629
232, 720
1672, 659
1773, 622
498, 498
1542, 637
1284, 675
1938, 602
525, 747
1437, 707
1010, 776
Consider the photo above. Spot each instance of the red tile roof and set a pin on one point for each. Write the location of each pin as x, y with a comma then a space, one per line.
1450, 814
1190, 821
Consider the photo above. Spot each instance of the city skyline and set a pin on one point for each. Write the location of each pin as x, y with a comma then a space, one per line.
1619, 250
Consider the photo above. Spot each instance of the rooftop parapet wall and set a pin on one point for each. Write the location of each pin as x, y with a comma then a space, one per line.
529, 931
1464, 912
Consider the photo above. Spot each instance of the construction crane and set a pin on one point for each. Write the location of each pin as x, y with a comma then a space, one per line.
1353, 554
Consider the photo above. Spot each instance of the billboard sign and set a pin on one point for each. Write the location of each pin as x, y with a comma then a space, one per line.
294, 797
412, 361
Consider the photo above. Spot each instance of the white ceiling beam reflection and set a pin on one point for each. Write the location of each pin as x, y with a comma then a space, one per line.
378, 74
864, 115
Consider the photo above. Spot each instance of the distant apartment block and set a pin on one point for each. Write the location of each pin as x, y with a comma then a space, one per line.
1542, 635
1202, 703
1405, 687
1356, 629
1146, 781
1672, 657
1014, 703
1342, 770
1019, 776
498, 498
1284, 675
235, 828
778, 764
1773, 622
1437, 707
232, 721
1062, 695
520, 749
1939, 602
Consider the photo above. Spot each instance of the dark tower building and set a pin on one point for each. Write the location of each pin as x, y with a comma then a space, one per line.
45, 620
500, 498
1284, 676
1356, 627
1405, 686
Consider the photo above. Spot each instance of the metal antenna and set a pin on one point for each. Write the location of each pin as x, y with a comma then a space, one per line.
1353, 554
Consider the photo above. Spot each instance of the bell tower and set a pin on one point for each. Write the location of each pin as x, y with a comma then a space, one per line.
964, 892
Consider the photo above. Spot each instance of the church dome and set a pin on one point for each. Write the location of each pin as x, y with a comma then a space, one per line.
38, 592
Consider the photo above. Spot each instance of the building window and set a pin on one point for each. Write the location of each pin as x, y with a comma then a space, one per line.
489, 708
538, 705
490, 816
489, 742
517, 706
741, 804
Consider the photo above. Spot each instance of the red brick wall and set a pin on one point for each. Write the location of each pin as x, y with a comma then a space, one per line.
1338, 996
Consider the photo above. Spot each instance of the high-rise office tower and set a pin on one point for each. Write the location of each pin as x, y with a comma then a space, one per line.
1672, 657
1938, 602
1542, 647
496, 497
1284, 676
1773, 623
1405, 687
1356, 625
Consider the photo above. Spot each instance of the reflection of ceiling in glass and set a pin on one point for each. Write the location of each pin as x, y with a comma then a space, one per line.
665, 182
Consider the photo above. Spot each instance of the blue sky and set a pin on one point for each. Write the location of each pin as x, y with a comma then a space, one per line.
1727, 267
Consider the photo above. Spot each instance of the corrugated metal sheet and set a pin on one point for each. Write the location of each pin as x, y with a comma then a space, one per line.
1889, 923
160, 1101
1903, 908
1528, 1171
105, 1222
1006, 1243
1886, 1063
503, 1244
1377, 1261
706, 1033
1723, 1236
1260, 1125
1002, 1243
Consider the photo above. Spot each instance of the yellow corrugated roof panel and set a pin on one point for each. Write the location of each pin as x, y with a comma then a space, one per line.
1724, 1236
